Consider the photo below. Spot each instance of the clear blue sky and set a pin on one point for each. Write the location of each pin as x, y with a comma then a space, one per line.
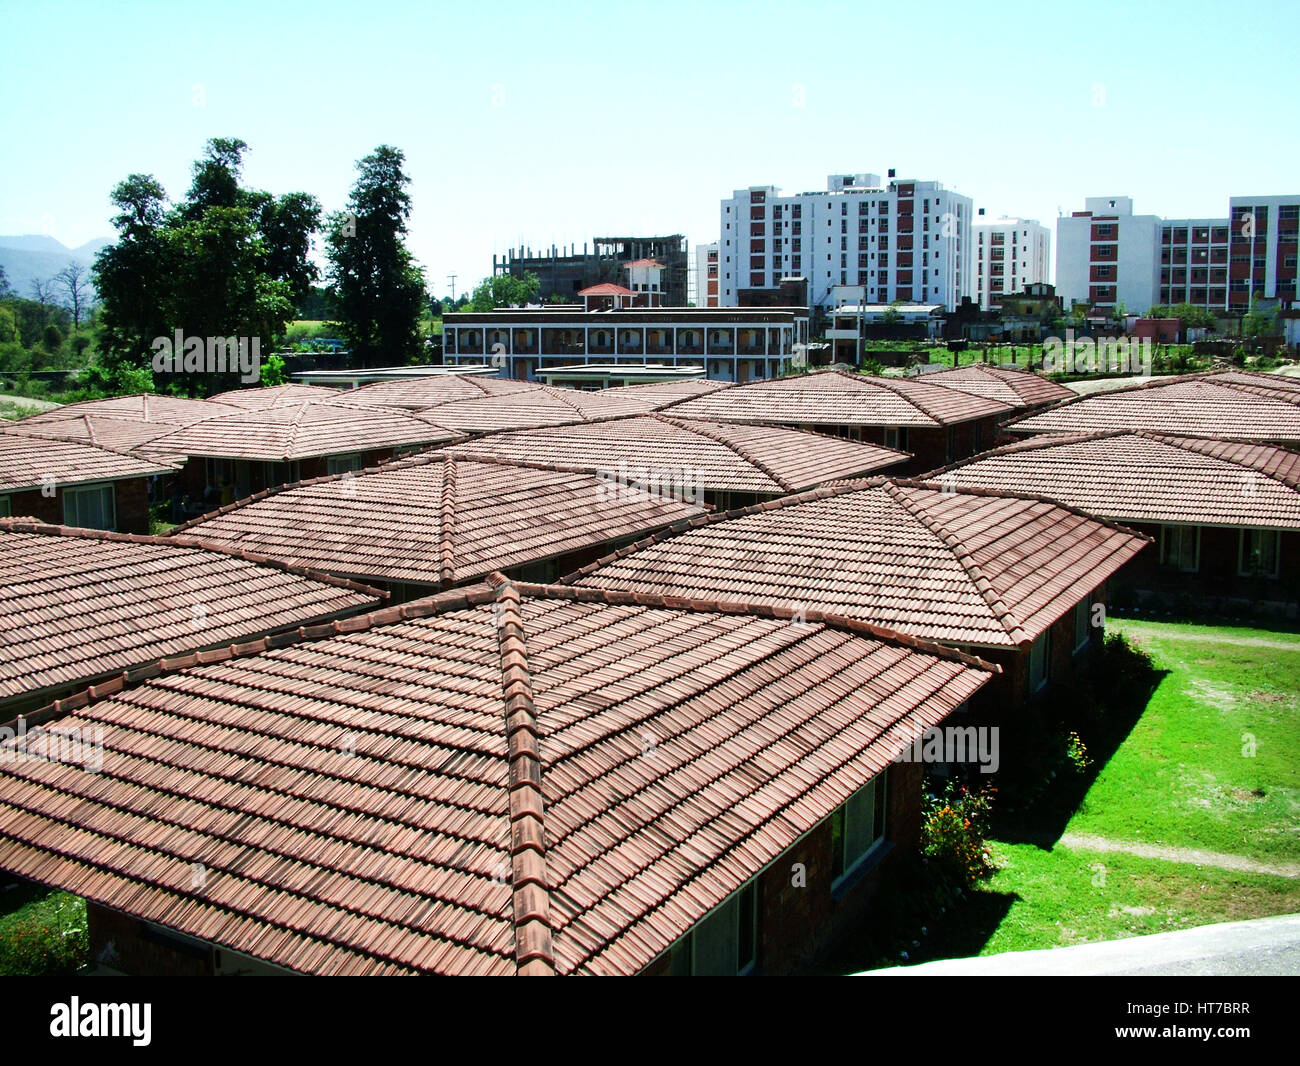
546, 123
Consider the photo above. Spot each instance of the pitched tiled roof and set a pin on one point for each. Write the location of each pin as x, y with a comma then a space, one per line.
300, 431
143, 406
257, 399
644, 263
1017, 388
121, 434
1192, 405
79, 604
542, 405
964, 567
28, 461
606, 288
715, 456
840, 398
1252, 378
418, 393
492, 781
435, 519
666, 392
1144, 477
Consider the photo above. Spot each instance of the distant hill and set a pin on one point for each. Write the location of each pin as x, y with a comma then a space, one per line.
29, 257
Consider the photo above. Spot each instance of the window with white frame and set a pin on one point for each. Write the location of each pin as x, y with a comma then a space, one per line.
1259, 552
1038, 661
725, 944
858, 828
1180, 548
90, 507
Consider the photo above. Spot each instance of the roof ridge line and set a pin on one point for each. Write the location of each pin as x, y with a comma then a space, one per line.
886, 383
719, 439
529, 891
983, 585
618, 597
447, 520
1201, 445
127, 453
1034, 442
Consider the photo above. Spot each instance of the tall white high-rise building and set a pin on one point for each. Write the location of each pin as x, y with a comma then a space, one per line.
903, 240
1106, 256
1264, 235
706, 275
1010, 253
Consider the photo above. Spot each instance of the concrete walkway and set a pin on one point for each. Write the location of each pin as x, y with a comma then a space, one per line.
1261, 946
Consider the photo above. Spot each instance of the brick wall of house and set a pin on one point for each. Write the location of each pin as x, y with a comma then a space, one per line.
795, 924
1217, 574
130, 495
123, 943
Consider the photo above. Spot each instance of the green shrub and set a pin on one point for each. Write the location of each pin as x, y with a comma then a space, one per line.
48, 937
953, 829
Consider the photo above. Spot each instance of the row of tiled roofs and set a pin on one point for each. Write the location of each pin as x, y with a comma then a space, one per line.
356, 785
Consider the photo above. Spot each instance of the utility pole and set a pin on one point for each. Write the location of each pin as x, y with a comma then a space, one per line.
452, 279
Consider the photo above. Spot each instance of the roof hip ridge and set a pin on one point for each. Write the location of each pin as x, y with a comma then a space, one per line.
717, 438
529, 891
950, 540
447, 521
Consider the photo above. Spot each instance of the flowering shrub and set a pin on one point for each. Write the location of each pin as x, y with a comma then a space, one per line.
952, 832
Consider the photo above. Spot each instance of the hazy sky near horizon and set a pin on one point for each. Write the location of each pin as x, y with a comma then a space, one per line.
540, 124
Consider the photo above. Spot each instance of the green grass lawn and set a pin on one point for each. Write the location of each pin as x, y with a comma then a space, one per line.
1198, 752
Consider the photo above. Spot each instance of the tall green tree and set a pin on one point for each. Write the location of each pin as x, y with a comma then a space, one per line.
377, 287
227, 261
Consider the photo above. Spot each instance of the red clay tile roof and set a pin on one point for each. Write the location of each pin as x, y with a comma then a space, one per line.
964, 567
1190, 405
605, 288
541, 405
1144, 477
143, 406
301, 431
644, 263
715, 456
1017, 388
522, 780
432, 390
839, 398
666, 392
28, 461
258, 399
1252, 378
434, 519
120, 434
80, 604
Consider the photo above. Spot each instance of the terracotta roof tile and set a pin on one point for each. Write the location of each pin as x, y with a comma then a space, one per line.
966, 567
466, 789
28, 461
143, 407
435, 518
717, 456
1008, 385
1146, 477
300, 431
120, 434
1191, 405
432, 390
834, 397
80, 604
258, 399
541, 405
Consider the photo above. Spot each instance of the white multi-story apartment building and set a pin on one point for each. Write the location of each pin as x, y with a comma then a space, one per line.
1106, 256
905, 240
1010, 253
1262, 249
706, 275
